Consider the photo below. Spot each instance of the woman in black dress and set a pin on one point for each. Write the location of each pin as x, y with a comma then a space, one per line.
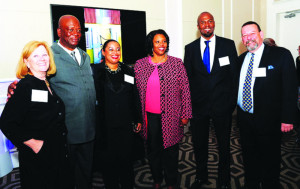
34, 121
119, 116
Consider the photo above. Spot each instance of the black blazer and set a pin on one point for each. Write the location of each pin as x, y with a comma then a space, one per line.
115, 109
215, 93
23, 118
275, 96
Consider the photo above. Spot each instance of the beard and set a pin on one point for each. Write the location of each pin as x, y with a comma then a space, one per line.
251, 48
207, 34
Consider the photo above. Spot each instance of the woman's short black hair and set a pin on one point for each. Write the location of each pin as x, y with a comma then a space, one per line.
149, 40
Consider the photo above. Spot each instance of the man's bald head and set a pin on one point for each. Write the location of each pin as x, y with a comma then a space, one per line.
69, 31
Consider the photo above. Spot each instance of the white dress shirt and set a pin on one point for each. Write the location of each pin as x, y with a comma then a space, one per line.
212, 46
77, 53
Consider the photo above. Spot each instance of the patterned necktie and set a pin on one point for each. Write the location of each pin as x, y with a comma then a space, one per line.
206, 57
74, 57
247, 99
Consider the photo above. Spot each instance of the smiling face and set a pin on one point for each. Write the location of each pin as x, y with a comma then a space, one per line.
251, 37
112, 53
38, 61
206, 25
69, 32
160, 45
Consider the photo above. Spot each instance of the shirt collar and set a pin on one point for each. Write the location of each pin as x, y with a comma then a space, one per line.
67, 50
212, 40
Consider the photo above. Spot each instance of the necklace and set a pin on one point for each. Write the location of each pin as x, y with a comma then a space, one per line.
162, 60
113, 71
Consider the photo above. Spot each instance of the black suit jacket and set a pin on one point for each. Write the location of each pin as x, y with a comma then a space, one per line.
117, 110
212, 94
275, 96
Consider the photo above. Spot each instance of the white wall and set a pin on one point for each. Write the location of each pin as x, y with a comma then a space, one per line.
284, 31
22, 21
229, 16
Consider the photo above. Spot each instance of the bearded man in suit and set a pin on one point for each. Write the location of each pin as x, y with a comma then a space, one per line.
267, 106
210, 63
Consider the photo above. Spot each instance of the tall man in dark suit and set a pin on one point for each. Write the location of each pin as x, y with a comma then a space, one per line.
211, 75
267, 98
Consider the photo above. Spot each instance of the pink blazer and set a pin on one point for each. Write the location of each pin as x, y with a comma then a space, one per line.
175, 96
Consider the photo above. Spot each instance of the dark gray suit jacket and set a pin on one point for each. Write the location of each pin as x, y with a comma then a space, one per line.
74, 84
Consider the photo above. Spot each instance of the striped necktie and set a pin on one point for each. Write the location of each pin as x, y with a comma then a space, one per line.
74, 57
247, 99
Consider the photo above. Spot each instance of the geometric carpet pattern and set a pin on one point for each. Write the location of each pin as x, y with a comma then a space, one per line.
290, 167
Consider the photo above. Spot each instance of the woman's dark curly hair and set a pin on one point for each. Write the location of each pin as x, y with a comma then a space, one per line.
149, 40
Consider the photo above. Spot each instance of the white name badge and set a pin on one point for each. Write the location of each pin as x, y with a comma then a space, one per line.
39, 96
224, 61
129, 79
259, 72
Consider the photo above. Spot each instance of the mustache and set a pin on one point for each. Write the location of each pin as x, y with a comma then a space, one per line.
253, 41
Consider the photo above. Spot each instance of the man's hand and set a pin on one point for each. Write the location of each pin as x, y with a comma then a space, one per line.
286, 127
35, 145
11, 88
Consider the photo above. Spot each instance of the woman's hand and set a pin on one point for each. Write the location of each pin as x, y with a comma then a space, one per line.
184, 122
35, 145
137, 128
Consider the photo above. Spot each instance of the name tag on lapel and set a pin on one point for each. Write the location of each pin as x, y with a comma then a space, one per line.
39, 96
259, 72
224, 61
128, 79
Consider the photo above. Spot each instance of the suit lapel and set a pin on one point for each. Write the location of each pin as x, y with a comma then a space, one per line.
262, 64
216, 65
199, 58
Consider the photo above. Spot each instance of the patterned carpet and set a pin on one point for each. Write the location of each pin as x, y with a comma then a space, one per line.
290, 173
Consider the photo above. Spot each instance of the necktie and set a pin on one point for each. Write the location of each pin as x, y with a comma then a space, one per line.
206, 57
247, 99
74, 57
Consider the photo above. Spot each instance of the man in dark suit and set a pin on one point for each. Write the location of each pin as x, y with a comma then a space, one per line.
211, 77
267, 99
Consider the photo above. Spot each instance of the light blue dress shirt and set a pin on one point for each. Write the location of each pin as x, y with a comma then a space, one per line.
243, 73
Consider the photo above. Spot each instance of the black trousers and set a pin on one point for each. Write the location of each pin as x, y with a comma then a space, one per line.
49, 168
116, 160
200, 137
81, 158
261, 154
163, 162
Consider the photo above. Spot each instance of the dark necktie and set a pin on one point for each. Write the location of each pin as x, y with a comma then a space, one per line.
74, 57
247, 99
206, 57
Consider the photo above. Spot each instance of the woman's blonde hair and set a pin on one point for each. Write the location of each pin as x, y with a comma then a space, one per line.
22, 69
